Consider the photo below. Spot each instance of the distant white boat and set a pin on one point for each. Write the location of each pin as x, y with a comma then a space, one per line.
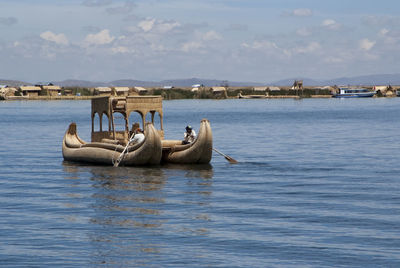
354, 93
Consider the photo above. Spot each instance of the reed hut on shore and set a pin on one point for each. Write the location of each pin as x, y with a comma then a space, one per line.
7, 91
272, 88
30, 91
102, 91
260, 89
68, 92
52, 90
387, 91
219, 92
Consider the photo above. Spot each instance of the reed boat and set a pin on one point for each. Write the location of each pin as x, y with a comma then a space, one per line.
240, 96
112, 144
147, 152
109, 144
198, 152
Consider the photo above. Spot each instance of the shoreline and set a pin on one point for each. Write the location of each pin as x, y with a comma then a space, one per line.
61, 98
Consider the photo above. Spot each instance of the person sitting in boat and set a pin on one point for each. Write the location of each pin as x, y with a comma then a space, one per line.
189, 136
135, 126
138, 137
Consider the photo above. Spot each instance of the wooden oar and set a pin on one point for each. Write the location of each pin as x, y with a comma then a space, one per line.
230, 159
121, 156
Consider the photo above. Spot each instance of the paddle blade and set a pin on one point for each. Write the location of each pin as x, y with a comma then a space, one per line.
227, 157
231, 160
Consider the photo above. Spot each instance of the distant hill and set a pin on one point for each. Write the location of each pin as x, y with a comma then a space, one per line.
132, 83
80, 83
207, 83
378, 79
13, 83
306, 82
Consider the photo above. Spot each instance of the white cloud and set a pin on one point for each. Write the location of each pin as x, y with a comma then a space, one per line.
211, 35
101, 38
302, 12
157, 25
261, 45
303, 32
192, 46
121, 50
310, 48
332, 59
390, 38
164, 27
125, 9
366, 44
59, 39
96, 3
147, 25
383, 32
331, 24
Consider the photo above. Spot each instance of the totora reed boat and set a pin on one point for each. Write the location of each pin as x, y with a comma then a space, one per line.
112, 145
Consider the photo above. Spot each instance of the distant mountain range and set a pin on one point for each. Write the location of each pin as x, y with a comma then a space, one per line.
377, 79
369, 80
132, 83
13, 83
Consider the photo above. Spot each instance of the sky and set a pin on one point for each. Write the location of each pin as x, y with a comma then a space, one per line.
236, 40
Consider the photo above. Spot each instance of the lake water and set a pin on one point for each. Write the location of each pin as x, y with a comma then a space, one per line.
317, 185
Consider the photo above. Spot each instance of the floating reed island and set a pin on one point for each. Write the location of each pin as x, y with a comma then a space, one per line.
297, 90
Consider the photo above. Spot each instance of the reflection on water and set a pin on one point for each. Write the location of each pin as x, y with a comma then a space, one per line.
125, 201
192, 171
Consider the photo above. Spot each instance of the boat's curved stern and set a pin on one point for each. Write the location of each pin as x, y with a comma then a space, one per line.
199, 152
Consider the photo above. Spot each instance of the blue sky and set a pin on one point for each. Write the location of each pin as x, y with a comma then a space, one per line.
236, 40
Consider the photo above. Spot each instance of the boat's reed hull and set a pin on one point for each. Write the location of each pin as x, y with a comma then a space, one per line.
147, 153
